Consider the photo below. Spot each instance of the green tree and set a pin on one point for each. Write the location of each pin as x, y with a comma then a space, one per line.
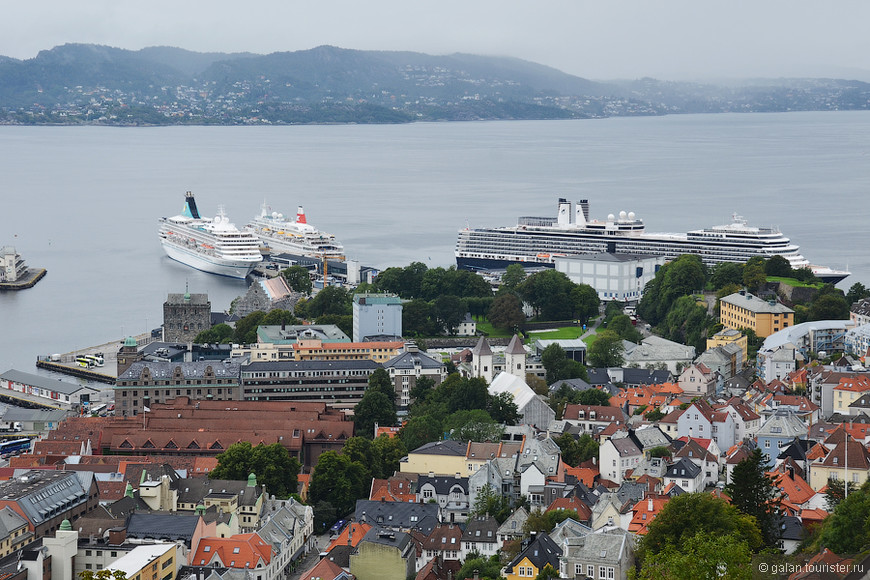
271, 464
549, 294
607, 350
245, 331
330, 300
847, 529
777, 266
219, 334
689, 514
325, 515
753, 492
701, 556
465, 393
503, 409
623, 326
279, 316
576, 450
380, 381
541, 521
584, 302
374, 407
834, 494
417, 319
344, 322
418, 431
298, 278
103, 574
857, 291
559, 367
489, 501
547, 572
448, 311
473, 425
486, 568
339, 481
597, 397
506, 312
389, 451
687, 323
726, 274
754, 276
513, 276
829, 304
423, 387
680, 277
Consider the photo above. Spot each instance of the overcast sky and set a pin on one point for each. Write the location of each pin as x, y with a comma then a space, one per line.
600, 39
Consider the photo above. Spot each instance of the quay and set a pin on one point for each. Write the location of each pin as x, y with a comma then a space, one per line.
108, 373
28, 280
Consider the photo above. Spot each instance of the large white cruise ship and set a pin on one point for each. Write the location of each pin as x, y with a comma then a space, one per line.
540, 240
211, 245
298, 237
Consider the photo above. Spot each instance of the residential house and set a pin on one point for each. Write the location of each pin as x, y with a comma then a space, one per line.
730, 336
618, 455
848, 390
438, 458
384, 554
247, 552
46, 498
396, 515
645, 512
450, 493
703, 458
848, 461
326, 569
592, 418
688, 476
408, 367
656, 352
445, 541
777, 432
697, 380
512, 528
481, 536
605, 555
746, 421
539, 553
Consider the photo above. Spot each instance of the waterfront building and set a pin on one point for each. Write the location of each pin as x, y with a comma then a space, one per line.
12, 266
53, 392
764, 317
185, 316
376, 314
614, 276
147, 382
330, 381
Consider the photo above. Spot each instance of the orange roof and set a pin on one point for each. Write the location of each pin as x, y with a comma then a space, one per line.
204, 464
645, 511
669, 389
585, 475
388, 431
856, 384
573, 504
325, 569
239, 551
793, 489
351, 535
397, 488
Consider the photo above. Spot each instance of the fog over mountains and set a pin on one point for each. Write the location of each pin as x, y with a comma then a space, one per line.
92, 84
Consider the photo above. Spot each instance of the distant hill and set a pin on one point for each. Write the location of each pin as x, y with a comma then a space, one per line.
82, 83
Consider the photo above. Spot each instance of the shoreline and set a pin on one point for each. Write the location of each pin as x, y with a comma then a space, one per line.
29, 281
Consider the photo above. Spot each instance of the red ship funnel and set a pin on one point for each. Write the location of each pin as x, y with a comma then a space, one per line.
300, 216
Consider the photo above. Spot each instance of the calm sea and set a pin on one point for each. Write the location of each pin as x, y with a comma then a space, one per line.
83, 202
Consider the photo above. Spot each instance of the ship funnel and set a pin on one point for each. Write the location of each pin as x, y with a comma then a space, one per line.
584, 204
190, 206
300, 216
564, 216
581, 214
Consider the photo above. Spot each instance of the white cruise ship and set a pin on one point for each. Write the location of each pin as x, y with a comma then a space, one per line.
538, 241
211, 245
297, 237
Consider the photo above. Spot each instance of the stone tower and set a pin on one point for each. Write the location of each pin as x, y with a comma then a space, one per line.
515, 358
481, 360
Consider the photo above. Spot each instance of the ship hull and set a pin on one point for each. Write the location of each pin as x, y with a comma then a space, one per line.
210, 264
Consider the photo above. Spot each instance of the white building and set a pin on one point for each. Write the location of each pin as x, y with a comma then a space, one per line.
376, 315
533, 409
614, 276
12, 267
655, 352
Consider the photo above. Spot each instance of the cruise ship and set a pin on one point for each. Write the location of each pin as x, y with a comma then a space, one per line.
538, 241
281, 234
211, 245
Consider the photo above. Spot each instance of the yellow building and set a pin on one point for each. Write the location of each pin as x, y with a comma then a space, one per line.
834, 464
438, 458
729, 336
384, 555
541, 551
744, 310
849, 390
149, 562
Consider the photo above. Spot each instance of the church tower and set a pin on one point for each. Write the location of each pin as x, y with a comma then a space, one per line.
515, 358
481, 360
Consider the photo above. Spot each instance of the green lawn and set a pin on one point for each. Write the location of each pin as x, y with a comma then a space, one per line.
492, 332
564, 333
794, 282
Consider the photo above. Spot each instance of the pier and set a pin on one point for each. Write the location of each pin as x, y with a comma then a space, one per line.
29, 280
108, 373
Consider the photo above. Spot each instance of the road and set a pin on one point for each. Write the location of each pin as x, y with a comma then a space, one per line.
309, 560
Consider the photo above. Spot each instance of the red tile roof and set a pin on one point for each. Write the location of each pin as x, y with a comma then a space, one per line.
239, 551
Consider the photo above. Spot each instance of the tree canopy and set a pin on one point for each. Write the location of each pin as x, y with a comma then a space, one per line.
606, 351
554, 296
753, 492
272, 465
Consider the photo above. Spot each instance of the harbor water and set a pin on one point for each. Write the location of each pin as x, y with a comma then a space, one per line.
83, 202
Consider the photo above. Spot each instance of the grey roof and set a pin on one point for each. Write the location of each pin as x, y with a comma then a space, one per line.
394, 514
388, 537
481, 348
291, 333
518, 517
10, 520
755, 304
782, 425
581, 385
481, 529
443, 485
603, 548
412, 360
631, 491
170, 527
195, 489
683, 469
43, 494
47, 383
442, 448
190, 370
20, 414
179, 299
790, 528
540, 552
625, 446
650, 436
515, 346
655, 348
311, 365
630, 376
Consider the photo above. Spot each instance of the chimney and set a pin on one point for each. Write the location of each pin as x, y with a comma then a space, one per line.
117, 536
649, 504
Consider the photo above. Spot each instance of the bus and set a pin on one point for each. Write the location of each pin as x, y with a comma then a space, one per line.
85, 362
335, 530
96, 358
14, 447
